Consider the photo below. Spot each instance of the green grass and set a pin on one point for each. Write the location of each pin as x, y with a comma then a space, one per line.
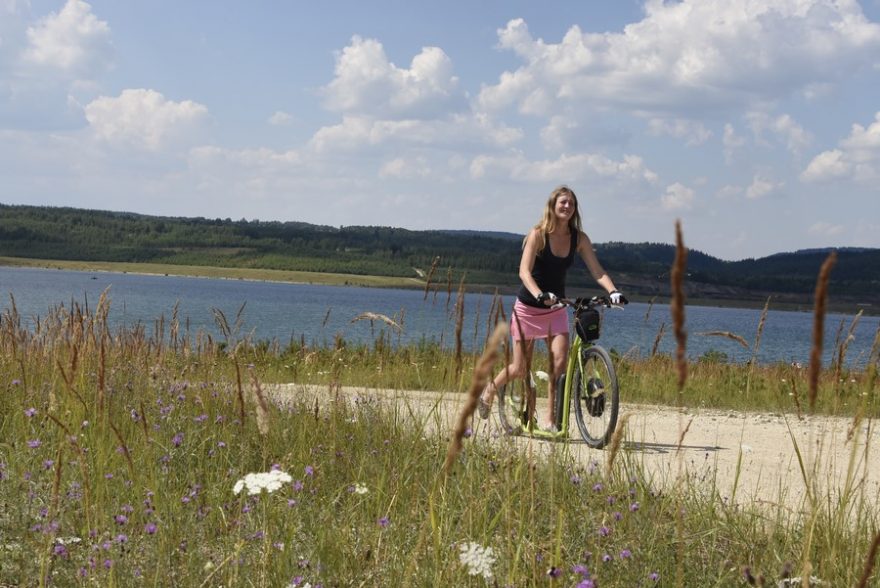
232, 273
119, 453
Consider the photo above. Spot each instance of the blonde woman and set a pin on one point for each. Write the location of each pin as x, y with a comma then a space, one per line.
548, 251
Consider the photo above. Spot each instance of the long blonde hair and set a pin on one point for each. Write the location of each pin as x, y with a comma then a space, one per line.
547, 224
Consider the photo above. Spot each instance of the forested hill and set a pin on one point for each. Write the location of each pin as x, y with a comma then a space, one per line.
483, 257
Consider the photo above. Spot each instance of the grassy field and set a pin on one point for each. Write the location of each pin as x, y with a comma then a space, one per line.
230, 273
134, 458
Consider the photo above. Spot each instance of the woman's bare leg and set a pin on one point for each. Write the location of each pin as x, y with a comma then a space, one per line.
558, 345
520, 359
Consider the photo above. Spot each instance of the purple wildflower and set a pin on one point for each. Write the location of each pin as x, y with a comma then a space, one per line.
654, 577
122, 538
34, 443
121, 519
634, 507
310, 471
30, 412
554, 572
597, 487
617, 516
606, 558
177, 439
47, 465
586, 583
604, 531
59, 550
16, 382
625, 554
580, 569
150, 528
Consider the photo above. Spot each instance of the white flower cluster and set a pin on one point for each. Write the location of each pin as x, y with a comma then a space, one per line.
360, 489
268, 481
478, 559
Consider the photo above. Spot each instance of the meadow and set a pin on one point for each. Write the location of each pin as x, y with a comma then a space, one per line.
155, 456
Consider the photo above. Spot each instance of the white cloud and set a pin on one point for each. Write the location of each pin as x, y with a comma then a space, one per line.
825, 229
693, 132
358, 133
405, 168
761, 187
73, 41
367, 83
857, 157
729, 191
566, 168
731, 142
280, 118
677, 197
784, 127
144, 119
688, 56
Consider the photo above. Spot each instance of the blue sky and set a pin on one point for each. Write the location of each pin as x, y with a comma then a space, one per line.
757, 123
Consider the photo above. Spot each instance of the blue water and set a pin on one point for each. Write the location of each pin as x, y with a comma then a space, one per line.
284, 312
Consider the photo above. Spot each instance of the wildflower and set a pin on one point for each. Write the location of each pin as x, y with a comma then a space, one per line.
586, 583
177, 439
554, 572
634, 507
606, 558
478, 559
604, 531
59, 550
150, 528
383, 522
34, 443
310, 471
359, 489
121, 538
580, 569
47, 465
597, 487
654, 576
30, 412
625, 554
617, 516
120, 519
575, 479
16, 382
256, 483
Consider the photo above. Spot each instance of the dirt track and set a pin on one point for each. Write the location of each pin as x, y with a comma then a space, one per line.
712, 446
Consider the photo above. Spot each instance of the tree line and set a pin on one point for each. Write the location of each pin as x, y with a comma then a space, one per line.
489, 258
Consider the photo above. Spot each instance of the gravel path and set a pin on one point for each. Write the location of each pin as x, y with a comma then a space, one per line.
715, 445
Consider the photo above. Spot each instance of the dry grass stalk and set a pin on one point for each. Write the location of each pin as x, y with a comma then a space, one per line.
616, 442
819, 326
241, 410
727, 335
262, 407
124, 446
683, 434
459, 324
677, 307
795, 395
375, 316
842, 347
660, 333
482, 373
869, 562
874, 356
431, 275
326, 317
448, 286
650, 306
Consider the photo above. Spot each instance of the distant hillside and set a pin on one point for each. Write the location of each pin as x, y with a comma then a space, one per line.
481, 257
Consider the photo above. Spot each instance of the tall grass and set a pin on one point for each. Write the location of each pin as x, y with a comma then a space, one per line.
119, 453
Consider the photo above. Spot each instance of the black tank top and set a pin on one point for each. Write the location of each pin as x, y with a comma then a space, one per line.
549, 272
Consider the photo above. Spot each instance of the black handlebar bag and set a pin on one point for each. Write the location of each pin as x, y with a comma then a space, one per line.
587, 323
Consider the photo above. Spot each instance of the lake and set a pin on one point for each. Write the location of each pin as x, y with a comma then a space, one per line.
284, 312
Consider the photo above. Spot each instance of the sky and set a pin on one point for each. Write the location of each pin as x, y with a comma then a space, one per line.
754, 123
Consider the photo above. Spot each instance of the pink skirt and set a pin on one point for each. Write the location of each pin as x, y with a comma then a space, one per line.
529, 323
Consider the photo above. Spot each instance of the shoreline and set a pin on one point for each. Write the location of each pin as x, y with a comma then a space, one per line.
362, 281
